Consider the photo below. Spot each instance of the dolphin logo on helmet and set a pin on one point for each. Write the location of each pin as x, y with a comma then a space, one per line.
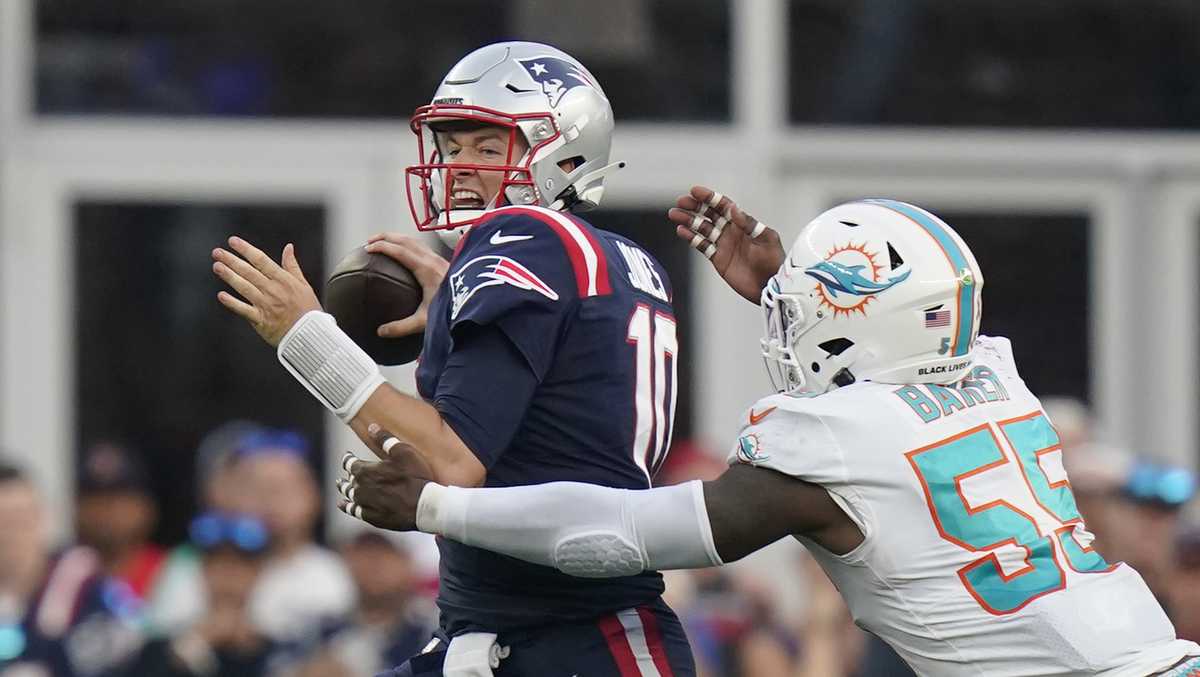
850, 279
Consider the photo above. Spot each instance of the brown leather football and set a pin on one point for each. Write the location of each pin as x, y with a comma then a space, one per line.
366, 290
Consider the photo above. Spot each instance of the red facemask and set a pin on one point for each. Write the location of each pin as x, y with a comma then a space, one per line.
431, 183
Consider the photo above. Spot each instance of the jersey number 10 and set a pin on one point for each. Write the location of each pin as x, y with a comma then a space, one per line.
984, 529
655, 342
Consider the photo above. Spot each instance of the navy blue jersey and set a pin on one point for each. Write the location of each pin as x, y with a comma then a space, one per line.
551, 351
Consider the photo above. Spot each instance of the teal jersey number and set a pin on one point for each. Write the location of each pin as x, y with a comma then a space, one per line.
982, 529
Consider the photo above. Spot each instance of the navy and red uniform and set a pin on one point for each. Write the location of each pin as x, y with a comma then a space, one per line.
550, 350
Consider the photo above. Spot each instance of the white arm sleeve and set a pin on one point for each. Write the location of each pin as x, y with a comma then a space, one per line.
580, 529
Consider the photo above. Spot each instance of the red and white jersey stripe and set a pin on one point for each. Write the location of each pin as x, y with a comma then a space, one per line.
636, 644
585, 252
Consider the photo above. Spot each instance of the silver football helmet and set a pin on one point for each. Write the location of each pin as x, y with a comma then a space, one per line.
531, 89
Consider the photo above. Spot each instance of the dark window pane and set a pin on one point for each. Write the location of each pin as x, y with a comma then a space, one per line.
1088, 63
646, 228
369, 58
159, 362
1036, 287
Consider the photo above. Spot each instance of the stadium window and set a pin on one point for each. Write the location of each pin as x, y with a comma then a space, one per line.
1068, 63
657, 59
158, 362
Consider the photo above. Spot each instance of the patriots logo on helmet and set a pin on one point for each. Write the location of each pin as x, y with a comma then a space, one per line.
487, 271
556, 76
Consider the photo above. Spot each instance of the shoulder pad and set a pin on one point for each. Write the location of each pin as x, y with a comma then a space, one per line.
783, 434
562, 240
996, 352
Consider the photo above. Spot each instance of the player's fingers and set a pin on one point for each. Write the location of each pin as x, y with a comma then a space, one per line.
238, 306
241, 267
747, 223
680, 216
290, 263
350, 463
412, 254
684, 233
392, 236
257, 258
386, 440
241, 285
412, 324
709, 229
347, 489
712, 200
703, 245
351, 508
695, 222
688, 203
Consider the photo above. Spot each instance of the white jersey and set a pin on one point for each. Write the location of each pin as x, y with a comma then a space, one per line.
975, 559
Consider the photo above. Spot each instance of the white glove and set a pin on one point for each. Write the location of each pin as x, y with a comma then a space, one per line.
473, 654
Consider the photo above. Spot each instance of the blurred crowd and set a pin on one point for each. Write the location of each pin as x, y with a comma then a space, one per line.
251, 591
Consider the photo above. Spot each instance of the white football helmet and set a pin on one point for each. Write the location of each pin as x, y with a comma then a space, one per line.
534, 90
874, 290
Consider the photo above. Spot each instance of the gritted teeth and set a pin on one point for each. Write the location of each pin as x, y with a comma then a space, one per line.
466, 198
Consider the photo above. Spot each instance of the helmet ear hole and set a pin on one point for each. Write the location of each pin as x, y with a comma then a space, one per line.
836, 346
816, 367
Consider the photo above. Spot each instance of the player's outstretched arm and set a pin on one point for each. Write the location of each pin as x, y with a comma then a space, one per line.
745, 255
593, 531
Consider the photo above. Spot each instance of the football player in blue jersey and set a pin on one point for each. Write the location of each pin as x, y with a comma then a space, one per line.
550, 354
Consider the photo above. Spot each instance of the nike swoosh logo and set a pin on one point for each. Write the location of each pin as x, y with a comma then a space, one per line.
755, 418
497, 238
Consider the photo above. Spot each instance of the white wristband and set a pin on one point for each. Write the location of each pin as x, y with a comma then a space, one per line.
329, 364
442, 511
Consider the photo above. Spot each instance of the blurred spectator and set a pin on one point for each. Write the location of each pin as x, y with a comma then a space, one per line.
303, 584
393, 621
832, 645
1158, 494
177, 600
226, 641
58, 614
115, 515
688, 460
733, 632
1184, 585
1098, 475
1071, 419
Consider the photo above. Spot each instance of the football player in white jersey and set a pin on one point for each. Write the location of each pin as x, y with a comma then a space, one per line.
902, 448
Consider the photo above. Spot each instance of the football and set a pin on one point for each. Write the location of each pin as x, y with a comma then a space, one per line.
366, 290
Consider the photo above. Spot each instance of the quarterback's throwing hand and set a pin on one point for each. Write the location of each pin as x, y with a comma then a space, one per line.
745, 251
384, 493
426, 266
277, 295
